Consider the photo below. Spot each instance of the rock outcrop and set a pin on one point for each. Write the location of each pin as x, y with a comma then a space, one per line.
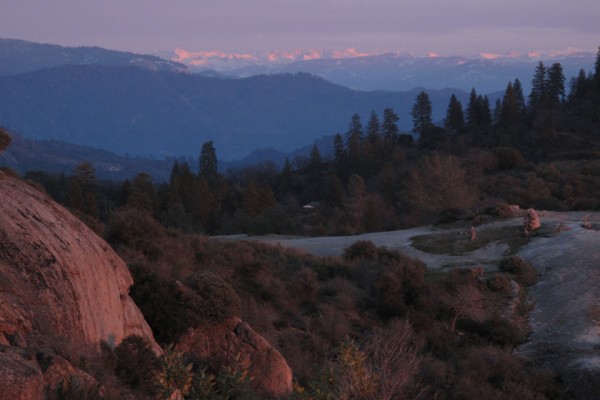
20, 376
58, 281
219, 343
531, 221
57, 276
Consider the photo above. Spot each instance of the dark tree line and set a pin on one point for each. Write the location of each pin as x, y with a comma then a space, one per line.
375, 178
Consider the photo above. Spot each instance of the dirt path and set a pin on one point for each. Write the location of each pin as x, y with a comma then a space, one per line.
394, 240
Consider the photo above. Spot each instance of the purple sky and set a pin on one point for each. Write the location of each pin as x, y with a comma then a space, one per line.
445, 27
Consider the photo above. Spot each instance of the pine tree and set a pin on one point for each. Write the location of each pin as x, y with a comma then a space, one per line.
579, 85
497, 112
373, 128
555, 84
390, 127
421, 113
455, 118
473, 109
518, 89
509, 112
538, 86
208, 162
355, 129
354, 140
314, 161
338, 148
486, 111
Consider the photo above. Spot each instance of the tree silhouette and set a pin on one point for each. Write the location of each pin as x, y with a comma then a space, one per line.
390, 127
421, 113
5, 139
208, 161
555, 84
455, 117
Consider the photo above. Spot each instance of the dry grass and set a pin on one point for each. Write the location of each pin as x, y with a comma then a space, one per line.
458, 244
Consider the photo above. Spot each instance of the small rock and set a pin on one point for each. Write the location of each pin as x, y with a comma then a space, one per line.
531, 221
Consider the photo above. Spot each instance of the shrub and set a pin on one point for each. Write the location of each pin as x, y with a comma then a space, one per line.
219, 300
160, 302
135, 229
399, 287
437, 183
175, 375
500, 283
508, 158
523, 271
136, 364
361, 250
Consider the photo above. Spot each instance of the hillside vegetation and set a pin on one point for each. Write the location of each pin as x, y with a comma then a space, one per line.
373, 323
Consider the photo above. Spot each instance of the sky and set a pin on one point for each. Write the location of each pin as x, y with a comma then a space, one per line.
445, 27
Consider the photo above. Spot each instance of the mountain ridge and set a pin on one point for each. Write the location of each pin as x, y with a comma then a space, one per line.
20, 56
136, 111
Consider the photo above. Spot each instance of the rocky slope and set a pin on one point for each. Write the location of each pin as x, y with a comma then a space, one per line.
565, 320
61, 285
219, 344
58, 282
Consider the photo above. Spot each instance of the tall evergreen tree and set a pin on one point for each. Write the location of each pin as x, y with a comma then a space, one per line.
555, 84
373, 128
208, 161
518, 89
338, 148
390, 126
354, 138
579, 85
538, 86
473, 109
421, 113
486, 111
455, 117
497, 112
355, 128
314, 160
509, 112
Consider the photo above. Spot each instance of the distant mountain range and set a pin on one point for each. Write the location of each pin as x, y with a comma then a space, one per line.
389, 71
136, 111
19, 56
145, 106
